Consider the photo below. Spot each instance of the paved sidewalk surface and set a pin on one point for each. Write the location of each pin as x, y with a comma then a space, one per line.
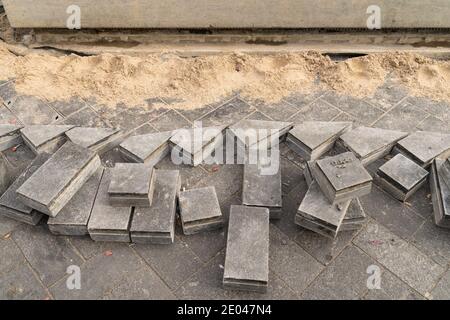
412, 254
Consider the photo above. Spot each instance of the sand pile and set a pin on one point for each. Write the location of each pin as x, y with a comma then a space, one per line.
195, 82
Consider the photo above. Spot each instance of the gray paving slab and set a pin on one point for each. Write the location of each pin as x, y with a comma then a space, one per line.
404, 116
442, 289
31, 110
208, 244
44, 138
96, 139
342, 177
64, 174
108, 223
319, 110
156, 224
67, 107
72, 220
432, 123
433, 241
440, 195
11, 206
355, 217
312, 139
190, 175
7, 117
148, 148
200, 210
8, 92
247, 253
370, 144
88, 118
169, 121
9, 136
278, 111
132, 184
228, 113
445, 172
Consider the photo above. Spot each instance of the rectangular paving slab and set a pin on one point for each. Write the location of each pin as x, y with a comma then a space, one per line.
440, 195
200, 210
312, 139
342, 177
108, 223
445, 172
401, 177
52, 186
11, 207
99, 140
45, 138
156, 224
131, 185
148, 148
72, 220
247, 253
9, 136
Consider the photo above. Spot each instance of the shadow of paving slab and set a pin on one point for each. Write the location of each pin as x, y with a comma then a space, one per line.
398, 256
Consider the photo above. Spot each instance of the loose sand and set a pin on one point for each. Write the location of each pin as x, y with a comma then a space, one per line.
195, 82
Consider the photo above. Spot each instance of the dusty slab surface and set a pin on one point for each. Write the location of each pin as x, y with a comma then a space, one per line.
95, 139
355, 217
440, 195
44, 138
147, 148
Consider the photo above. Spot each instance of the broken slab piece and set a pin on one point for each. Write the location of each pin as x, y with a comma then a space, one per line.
200, 210
247, 252
401, 177
369, 144
312, 139
108, 223
156, 224
52, 186
45, 138
355, 217
11, 207
99, 140
342, 177
440, 196
9, 136
148, 148
424, 146
131, 185
72, 220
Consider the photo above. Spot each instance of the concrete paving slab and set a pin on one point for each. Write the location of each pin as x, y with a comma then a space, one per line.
99, 140
148, 148
424, 146
9, 136
64, 174
44, 138
319, 110
31, 110
8, 92
247, 253
72, 220
440, 195
200, 210
312, 139
108, 223
445, 172
11, 207
370, 144
66, 108
132, 184
156, 224
355, 217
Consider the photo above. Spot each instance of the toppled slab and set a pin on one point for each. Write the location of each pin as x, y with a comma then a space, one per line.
45, 138
9, 136
440, 195
200, 210
445, 172
131, 185
424, 146
247, 252
355, 217
156, 225
312, 139
52, 186
370, 144
148, 148
72, 220
11, 207
108, 223
401, 177
98, 140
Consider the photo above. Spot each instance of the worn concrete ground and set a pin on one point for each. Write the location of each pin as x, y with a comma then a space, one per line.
412, 254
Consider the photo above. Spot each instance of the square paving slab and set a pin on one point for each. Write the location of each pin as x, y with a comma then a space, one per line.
424, 146
370, 144
52, 186
148, 148
342, 177
440, 195
200, 210
247, 252
99, 140
355, 217
401, 177
11, 207
156, 224
312, 139
44, 138
108, 223
9, 136
72, 220
131, 185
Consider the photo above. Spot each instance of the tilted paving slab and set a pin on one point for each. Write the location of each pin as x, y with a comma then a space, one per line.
424, 146
45, 138
312, 139
355, 217
445, 172
156, 224
247, 253
108, 223
9, 136
131, 185
440, 195
200, 210
72, 220
401, 177
52, 186
148, 148
370, 144
99, 140
11, 206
